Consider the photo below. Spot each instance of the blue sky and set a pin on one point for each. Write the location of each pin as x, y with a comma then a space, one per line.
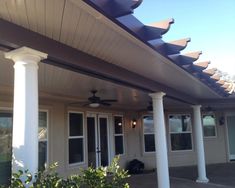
209, 23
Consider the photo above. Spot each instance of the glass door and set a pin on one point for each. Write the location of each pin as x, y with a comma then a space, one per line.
231, 137
97, 132
5, 146
103, 141
92, 140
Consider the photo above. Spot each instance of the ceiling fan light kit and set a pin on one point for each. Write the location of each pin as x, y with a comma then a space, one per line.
94, 105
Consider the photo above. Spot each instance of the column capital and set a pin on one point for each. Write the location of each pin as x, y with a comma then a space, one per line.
157, 95
196, 106
25, 54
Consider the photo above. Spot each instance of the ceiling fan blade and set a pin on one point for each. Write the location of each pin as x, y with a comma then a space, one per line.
78, 103
86, 104
72, 103
108, 100
104, 103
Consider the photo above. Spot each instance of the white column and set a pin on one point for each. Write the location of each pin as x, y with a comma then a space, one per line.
25, 112
199, 144
160, 140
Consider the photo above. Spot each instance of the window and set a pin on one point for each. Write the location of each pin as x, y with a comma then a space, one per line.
76, 138
42, 139
118, 135
6, 119
148, 129
6, 122
180, 132
209, 125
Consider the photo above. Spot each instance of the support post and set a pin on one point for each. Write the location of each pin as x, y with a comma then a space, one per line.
160, 141
25, 110
201, 165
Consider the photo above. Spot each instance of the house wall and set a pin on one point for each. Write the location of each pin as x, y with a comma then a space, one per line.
215, 148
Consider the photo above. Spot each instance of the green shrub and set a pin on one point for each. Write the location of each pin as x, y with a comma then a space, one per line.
103, 177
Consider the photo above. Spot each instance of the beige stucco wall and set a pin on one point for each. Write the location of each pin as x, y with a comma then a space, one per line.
215, 148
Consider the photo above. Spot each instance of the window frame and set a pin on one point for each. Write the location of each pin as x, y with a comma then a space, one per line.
76, 137
144, 149
208, 137
187, 132
47, 139
10, 110
123, 145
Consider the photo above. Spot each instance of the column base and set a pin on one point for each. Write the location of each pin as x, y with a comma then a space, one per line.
204, 180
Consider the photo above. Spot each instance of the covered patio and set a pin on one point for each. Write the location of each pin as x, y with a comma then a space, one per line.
63, 50
220, 175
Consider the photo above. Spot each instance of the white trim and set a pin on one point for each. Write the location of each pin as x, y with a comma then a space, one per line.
75, 137
185, 132
122, 134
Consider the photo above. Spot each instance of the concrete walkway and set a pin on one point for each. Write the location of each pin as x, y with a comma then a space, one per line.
220, 176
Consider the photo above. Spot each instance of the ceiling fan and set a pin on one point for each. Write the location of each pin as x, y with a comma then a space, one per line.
95, 101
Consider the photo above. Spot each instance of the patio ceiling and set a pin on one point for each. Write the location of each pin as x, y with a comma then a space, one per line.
80, 26
63, 85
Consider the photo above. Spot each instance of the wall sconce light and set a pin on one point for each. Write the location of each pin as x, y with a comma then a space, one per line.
133, 123
221, 120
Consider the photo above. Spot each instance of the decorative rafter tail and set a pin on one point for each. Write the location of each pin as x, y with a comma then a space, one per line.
216, 77
221, 82
202, 65
163, 26
193, 55
186, 59
146, 33
210, 72
116, 8
136, 3
173, 47
226, 85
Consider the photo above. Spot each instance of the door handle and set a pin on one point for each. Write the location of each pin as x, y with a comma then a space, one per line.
97, 150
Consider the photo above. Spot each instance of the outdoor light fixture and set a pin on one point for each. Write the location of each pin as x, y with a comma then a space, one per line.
94, 105
221, 120
133, 123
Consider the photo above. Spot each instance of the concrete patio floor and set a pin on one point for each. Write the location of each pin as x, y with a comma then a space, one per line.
220, 175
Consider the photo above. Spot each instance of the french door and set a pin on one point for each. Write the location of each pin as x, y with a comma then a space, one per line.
98, 139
